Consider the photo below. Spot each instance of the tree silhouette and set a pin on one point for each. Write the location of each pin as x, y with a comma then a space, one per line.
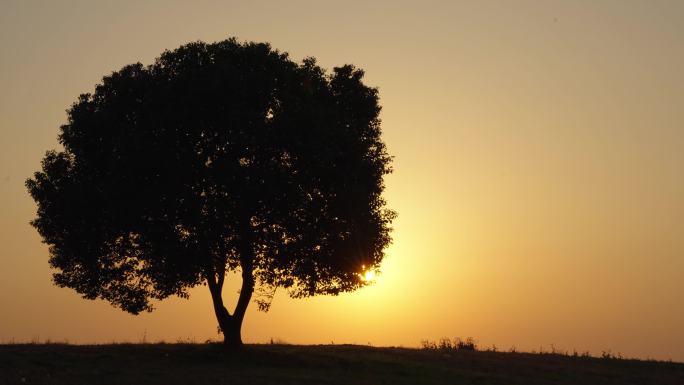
216, 158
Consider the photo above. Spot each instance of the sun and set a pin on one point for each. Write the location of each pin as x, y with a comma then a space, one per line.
367, 275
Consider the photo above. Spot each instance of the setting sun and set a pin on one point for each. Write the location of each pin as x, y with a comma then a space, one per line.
368, 275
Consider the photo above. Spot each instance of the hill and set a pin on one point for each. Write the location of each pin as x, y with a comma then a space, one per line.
326, 364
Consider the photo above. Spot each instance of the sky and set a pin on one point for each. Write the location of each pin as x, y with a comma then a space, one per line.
538, 162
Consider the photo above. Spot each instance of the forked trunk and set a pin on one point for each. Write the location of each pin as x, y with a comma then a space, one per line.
230, 327
231, 324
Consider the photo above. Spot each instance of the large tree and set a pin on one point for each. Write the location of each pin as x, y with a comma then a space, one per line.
217, 158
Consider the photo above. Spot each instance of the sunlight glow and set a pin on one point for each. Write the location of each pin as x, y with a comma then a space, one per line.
367, 275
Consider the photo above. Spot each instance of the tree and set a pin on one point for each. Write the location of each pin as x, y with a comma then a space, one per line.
216, 158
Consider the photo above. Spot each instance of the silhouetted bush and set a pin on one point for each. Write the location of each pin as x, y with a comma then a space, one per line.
428, 345
447, 344
467, 344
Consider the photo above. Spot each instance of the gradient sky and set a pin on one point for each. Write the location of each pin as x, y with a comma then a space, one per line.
538, 146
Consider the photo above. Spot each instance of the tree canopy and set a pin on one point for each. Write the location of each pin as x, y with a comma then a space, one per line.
216, 158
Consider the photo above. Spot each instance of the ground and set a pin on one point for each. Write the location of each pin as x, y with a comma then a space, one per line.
326, 364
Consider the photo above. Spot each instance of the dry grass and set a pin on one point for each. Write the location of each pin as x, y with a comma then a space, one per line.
326, 364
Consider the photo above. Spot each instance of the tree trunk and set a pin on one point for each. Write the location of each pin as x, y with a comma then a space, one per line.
231, 334
231, 324
228, 325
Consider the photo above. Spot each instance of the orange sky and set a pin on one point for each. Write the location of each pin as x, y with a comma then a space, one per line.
538, 175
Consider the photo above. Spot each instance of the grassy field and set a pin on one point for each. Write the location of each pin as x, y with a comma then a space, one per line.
332, 364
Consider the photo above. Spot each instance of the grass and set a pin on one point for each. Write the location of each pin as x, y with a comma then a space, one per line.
323, 364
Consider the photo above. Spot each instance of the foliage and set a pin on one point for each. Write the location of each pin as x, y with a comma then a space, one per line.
216, 158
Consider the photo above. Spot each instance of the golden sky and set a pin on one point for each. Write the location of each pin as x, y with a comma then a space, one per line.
539, 155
